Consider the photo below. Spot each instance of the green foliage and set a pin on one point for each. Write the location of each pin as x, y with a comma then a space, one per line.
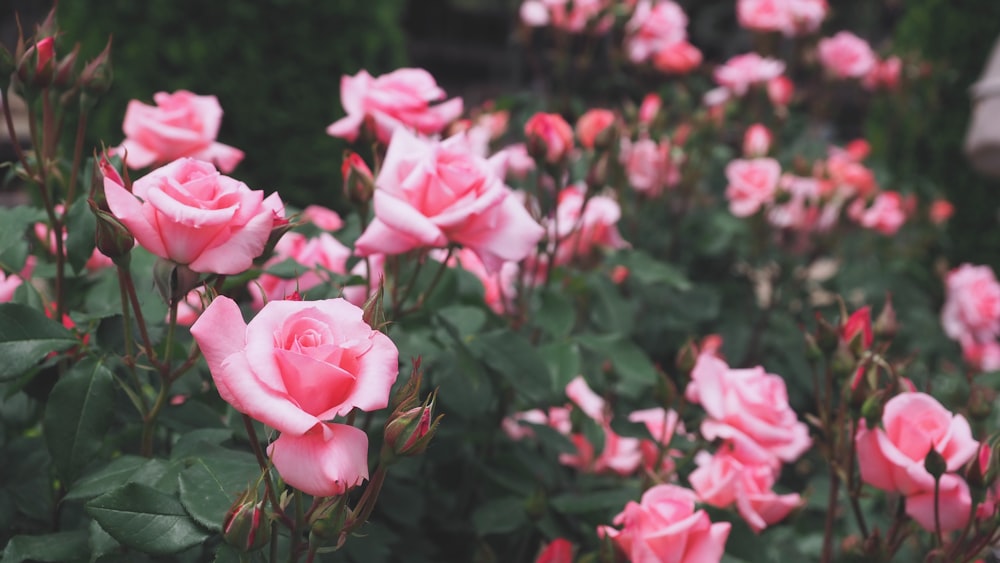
274, 65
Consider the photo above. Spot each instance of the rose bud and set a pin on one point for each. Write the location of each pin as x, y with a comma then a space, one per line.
886, 325
374, 312
596, 129
359, 184
756, 141
856, 331
113, 239
246, 527
650, 108
941, 210
36, 67
548, 137
408, 433
780, 90
63, 73
96, 77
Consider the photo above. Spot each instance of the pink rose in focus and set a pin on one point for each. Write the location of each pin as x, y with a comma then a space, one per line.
316, 255
323, 217
886, 214
743, 71
584, 225
665, 527
182, 124
752, 184
654, 27
891, 458
748, 408
649, 166
846, 55
188, 213
432, 194
722, 480
295, 366
972, 304
548, 137
398, 100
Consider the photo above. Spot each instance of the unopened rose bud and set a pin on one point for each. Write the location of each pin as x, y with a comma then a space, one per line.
780, 91
941, 210
977, 471
856, 331
935, 464
327, 522
65, 70
373, 311
548, 138
37, 67
871, 411
686, 357
246, 527
409, 433
174, 281
96, 77
885, 325
406, 397
359, 185
596, 129
113, 239
756, 141
279, 226
650, 108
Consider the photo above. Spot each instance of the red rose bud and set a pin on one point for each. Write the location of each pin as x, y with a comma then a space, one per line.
548, 137
113, 239
856, 331
409, 433
359, 184
756, 141
36, 67
596, 129
650, 108
559, 551
246, 527
65, 70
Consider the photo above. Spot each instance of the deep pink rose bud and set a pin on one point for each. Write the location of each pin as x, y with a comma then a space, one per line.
650, 108
359, 184
548, 137
885, 324
780, 90
756, 141
559, 551
409, 433
64, 69
36, 66
857, 329
596, 129
246, 527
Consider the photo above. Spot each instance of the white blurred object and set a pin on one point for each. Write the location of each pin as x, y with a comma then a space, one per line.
982, 140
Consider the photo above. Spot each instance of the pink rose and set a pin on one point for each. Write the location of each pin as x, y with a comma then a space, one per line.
654, 27
721, 480
432, 194
317, 256
743, 71
748, 408
983, 356
662, 426
891, 458
549, 137
757, 141
650, 108
940, 211
582, 227
884, 74
188, 213
181, 124
592, 125
295, 366
752, 184
846, 55
791, 17
576, 16
665, 527
886, 214
559, 551
10, 282
677, 58
324, 218
649, 166
972, 304
398, 100
780, 90
499, 287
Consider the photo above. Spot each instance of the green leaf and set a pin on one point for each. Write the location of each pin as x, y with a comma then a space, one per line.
26, 337
13, 245
648, 271
556, 315
210, 485
514, 358
77, 416
60, 546
636, 371
80, 228
599, 501
464, 319
145, 519
120, 470
499, 516
101, 543
563, 360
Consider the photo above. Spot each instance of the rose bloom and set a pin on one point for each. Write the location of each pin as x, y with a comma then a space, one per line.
576, 16
780, 90
316, 255
941, 210
548, 136
884, 74
846, 55
559, 551
721, 480
983, 356
677, 58
743, 71
398, 100
972, 304
430, 194
662, 426
323, 217
294, 367
181, 124
592, 124
10, 282
188, 213
892, 457
886, 214
582, 227
752, 184
650, 108
665, 527
756, 140
791, 17
649, 166
749, 409
654, 27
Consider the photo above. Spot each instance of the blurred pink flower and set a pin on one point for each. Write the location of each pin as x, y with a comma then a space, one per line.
846, 55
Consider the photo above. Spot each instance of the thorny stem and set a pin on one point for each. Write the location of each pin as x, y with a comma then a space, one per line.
4, 101
830, 516
367, 502
129, 344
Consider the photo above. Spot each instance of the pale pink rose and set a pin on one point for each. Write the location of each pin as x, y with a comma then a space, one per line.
575, 16
499, 288
846, 55
181, 124
806, 15
620, 455
430, 194
534, 13
892, 457
662, 426
654, 27
318, 256
358, 294
791, 17
549, 137
983, 356
677, 58
188, 213
295, 366
752, 184
592, 124
584, 225
512, 427
757, 141
748, 408
592, 404
191, 307
972, 304
323, 217
722, 480
398, 100
10, 282
743, 71
519, 162
801, 211
648, 165
885, 215
665, 527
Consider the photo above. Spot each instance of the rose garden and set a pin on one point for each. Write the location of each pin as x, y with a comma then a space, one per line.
677, 309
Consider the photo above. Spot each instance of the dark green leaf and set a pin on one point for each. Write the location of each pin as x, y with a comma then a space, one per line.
60, 546
556, 315
563, 360
146, 519
648, 270
27, 336
465, 320
101, 543
114, 474
511, 356
499, 516
80, 228
13, 245
636, 371
210, 485
77, 416
612, 501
